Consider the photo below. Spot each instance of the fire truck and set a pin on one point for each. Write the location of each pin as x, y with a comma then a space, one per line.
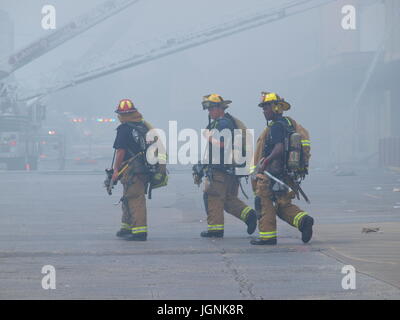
20, 124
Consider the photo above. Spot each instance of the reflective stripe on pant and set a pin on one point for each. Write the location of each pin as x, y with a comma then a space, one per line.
216, 227
283, 208
297, 219
134, 202
245, 213
267, 235
222, 194
136, 230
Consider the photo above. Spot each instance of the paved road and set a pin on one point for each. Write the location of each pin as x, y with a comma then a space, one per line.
65, 219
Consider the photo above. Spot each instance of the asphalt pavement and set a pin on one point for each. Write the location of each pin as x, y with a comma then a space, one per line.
65, 219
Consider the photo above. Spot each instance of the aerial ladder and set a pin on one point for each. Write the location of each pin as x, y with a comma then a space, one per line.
47, 43
177, 44
21, 120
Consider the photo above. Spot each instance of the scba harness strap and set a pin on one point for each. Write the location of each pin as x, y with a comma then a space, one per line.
139, 131
156, 179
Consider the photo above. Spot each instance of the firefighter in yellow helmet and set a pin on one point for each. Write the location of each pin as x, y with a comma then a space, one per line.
131, 168
221, 184
280, 168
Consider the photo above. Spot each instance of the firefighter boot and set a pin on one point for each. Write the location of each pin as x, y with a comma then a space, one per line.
122, 233
259, 242
251, 222
137, 237
306, 228
212, 234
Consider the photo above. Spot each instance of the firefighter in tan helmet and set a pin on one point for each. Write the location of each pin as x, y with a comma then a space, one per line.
221, 184
282, 155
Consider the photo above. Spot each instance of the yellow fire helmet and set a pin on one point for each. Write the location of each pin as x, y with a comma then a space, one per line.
278, 104
214, 100
125, 106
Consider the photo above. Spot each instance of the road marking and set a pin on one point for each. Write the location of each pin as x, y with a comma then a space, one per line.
360, 259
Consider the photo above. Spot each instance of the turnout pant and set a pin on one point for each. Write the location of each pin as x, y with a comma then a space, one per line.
134, 213
273, 205
221, 193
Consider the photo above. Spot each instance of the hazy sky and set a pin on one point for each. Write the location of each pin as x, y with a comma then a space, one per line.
219, 66
238, 67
